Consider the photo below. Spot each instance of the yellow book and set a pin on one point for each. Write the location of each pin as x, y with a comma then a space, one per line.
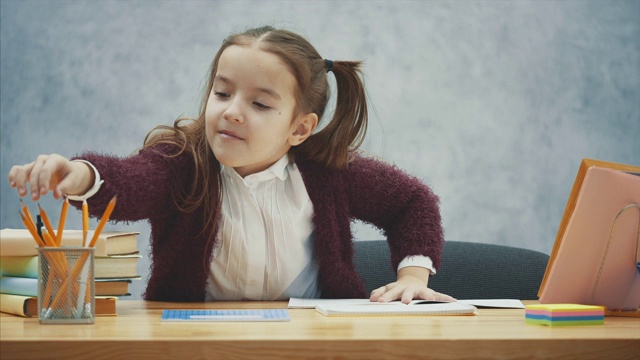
27, 306
18, 242
106, 267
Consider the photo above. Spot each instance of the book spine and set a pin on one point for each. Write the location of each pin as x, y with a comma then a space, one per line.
18, 286
18, 242
27, 305
20, 266
115, 266
17, 247
13, 304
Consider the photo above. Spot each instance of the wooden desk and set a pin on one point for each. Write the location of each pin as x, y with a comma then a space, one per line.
138, 333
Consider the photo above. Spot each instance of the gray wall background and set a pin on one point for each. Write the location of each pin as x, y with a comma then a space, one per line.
492, 103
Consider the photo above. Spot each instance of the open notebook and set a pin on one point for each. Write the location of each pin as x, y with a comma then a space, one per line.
302, 303
364, 307
416, 307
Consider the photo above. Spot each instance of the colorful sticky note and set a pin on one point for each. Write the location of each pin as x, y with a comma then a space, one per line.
564, 314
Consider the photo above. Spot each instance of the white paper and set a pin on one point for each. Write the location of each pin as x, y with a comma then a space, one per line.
495, 303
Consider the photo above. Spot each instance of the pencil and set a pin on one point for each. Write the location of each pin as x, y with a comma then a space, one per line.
47, 223
56, 270
27, 215
64, 289
103, 220
85, 221
31, 229
63, 219
51, 276
48, 240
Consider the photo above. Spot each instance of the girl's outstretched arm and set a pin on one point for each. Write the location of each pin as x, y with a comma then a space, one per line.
407, 212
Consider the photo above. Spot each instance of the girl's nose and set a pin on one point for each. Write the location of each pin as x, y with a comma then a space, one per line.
234, 112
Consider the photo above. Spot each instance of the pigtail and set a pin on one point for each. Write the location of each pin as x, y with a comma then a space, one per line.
345, 132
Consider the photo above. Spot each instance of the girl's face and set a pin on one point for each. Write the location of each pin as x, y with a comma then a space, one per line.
250, 120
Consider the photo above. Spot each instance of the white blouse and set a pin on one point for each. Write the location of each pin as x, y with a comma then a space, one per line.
265, 246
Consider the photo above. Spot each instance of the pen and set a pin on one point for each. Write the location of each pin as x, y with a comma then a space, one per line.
39, 225
31, 229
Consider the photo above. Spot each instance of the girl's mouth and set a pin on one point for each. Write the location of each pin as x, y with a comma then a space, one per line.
229, 135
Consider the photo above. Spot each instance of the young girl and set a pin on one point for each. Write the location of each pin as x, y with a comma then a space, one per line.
248, 201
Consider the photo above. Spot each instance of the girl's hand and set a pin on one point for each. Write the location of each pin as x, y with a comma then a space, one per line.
411, 284
51, 172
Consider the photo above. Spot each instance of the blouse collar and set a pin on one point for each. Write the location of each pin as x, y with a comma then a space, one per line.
279, 170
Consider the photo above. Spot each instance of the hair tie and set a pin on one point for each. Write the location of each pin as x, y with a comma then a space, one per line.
328, 64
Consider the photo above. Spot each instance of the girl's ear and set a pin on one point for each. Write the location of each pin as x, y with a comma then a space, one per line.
305, 125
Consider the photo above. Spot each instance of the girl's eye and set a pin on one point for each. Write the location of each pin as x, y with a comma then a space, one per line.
260, 105
220, 94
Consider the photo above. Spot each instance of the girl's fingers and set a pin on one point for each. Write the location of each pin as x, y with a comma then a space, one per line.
407, 295
429, 294
48, 176
18, 177
375, 294
392, 292
42, 175
444, 297
34, 177
68, 182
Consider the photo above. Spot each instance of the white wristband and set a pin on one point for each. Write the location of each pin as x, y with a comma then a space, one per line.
418, 260
96, 185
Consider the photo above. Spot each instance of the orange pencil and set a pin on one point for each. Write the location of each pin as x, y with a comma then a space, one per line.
45, 219
48, 240
32, 230
85, 221
103, 221
57, 264
63, 219
64, 291
27, 214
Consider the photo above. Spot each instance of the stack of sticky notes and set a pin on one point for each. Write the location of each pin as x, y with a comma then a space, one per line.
564, 314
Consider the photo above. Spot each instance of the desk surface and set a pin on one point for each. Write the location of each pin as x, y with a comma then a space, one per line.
138, 333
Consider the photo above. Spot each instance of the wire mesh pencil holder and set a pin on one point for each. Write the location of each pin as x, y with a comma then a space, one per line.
66, 285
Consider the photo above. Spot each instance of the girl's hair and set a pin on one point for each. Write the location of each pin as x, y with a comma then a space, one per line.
331, 146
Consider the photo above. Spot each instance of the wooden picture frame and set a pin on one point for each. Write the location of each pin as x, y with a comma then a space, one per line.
594, 260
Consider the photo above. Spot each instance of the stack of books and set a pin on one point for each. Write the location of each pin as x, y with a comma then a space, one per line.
116, 259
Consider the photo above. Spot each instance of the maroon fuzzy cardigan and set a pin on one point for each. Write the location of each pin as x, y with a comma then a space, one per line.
369, 190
